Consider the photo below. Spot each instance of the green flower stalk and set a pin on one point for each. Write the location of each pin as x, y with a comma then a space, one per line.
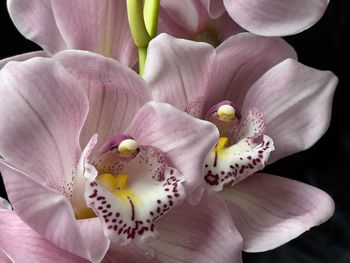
143, 21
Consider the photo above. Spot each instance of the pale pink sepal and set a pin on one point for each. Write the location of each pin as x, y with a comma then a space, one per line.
252, 56
20, 243
270, 210
296, 101
35, 20
51, 215
179, 71
24, 57
98, 26
202, 233
215, 8
4, 204
115, 93
276, 17
44, 112
5, 257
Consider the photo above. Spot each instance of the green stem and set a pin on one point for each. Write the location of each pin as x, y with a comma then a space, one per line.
150, 13
143, 21
142, 59
137, 23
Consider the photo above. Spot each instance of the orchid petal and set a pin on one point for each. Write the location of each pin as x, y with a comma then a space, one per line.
58, 25
115, 92
252, 56
35, 20
130, 253
269, 210
185, 14
157, 124
215, 7
201, 233
20, 243
108, 33
129, 211
226, 27
276, 18
41, 118
5, 257
50, 214
4, 204
296, 101
23, 57
185, 70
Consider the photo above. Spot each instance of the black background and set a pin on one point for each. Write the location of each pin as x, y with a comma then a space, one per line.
325, 165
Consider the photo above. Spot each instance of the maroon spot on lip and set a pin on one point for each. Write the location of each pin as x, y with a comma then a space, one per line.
212, 179
94, 194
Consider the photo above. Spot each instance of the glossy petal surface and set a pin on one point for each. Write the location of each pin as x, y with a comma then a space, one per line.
276, 17
270, 210
115, 93
20, 243
296, 101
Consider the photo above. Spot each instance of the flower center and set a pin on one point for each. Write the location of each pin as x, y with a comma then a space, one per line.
226, 113
131, 186
209, 33
128, 147
117, 185
242, 148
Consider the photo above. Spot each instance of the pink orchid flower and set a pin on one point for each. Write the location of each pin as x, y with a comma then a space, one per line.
52, 108
262, 101
98, 26
217, 19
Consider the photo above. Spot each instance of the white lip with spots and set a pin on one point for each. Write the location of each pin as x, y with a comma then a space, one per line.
151, 190
244, 153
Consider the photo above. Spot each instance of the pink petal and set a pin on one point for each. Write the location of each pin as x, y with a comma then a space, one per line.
178, 72
108, 33
44, 109
252, 56
296, 101
36, 21
23, 57
185, 14
115, 93
65, 24
129, 253
20, 243
276, 17
201, 233
51, 215
226, 27
270, 210
215, 8
5, 257
4, 204
158, 124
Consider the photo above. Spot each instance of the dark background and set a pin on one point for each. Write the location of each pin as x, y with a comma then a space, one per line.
324, 165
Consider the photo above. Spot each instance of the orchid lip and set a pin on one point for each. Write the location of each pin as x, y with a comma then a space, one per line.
242, 150
131, 194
